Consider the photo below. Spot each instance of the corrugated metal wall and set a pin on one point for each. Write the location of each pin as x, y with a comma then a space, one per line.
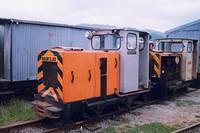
1, 49
7, 55
28, 39
191, 32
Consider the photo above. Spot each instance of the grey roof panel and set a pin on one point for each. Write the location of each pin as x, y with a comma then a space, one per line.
183, 26
10, 20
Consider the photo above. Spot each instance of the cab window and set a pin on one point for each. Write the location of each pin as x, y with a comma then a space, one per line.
189, 47
131, 41
106, 42
96, 42
171, 46
176, 47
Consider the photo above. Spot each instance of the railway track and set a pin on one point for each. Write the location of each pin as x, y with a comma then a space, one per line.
54, 127
19, 126
195, 128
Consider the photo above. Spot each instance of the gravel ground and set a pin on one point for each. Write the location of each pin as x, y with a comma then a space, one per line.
168, 113
28, 130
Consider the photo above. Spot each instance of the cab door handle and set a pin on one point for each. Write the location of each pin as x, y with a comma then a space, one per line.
90, 75
72, 74
116, 62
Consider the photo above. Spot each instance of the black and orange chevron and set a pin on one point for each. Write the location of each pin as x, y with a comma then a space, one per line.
50, 74
156, 60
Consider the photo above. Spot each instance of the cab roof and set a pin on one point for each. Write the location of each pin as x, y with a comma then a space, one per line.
176, 39
123, 29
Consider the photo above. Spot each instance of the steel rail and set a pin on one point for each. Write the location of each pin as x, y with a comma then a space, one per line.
8, 128
185, 129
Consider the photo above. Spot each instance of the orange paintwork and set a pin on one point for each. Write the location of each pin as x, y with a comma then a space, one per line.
77, 67
76, 86
112, 72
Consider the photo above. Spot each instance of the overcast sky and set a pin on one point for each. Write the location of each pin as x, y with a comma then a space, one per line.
142, 14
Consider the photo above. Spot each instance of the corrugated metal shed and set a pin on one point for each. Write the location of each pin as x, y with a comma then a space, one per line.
23, 39
190, 31
155, 34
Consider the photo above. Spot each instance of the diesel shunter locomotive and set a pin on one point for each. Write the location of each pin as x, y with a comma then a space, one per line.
114, 71
74, 80
173, 64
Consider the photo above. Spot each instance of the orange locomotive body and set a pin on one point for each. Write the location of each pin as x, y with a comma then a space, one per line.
72, 76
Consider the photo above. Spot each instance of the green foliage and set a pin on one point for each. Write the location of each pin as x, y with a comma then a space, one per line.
16, 110
184, 102
147, 128
109, 129
155, 128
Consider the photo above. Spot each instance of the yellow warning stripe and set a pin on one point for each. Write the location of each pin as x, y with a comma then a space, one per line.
156, 58
40, 75
59, 92
157, 64
157, 70
41, 87
39, 63
50, 90
59, 78
60, 65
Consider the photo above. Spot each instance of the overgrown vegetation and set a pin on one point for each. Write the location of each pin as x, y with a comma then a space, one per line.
146, 128
16, 110
184, 102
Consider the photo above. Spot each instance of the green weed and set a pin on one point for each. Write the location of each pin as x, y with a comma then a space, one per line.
16, 110
148, 128
184, 102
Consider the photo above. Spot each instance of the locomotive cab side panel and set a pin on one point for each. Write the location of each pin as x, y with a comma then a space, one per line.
189, 69
129, 67
143, 61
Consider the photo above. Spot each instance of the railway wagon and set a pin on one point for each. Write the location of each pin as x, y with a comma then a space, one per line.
173, 64
75, 81
19, 42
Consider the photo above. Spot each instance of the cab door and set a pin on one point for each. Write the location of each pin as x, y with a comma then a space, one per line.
187, 61
129, 66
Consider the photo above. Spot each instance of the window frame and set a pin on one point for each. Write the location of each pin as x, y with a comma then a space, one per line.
127, 41
143, 44
191, 47
170, 47
100, 41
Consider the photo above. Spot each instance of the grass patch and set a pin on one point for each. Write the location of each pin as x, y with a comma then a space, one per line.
184, 102
109, 129
148, 128
16, 110
113, 123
